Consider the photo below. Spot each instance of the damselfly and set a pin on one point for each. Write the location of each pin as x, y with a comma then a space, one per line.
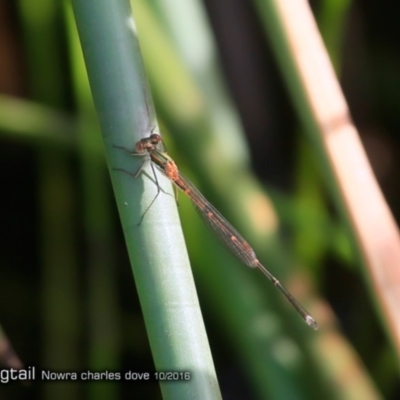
212, 217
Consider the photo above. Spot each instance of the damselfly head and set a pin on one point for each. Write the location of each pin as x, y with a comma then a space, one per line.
148, 144
155, 138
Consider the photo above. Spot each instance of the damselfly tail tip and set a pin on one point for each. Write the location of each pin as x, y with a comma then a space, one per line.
311, 322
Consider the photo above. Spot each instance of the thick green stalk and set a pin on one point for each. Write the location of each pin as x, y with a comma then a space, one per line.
156, 247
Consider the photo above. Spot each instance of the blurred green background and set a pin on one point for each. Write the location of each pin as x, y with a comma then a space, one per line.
67, 295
